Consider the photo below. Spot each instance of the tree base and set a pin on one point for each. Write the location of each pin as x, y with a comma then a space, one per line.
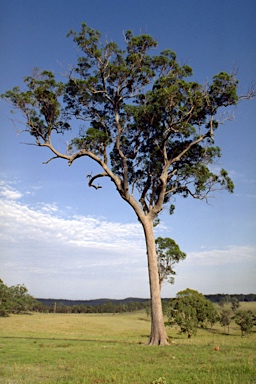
158, 341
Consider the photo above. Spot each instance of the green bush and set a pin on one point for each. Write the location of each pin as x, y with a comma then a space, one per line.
15, 299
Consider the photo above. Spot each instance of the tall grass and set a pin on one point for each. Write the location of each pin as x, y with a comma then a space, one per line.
63, 348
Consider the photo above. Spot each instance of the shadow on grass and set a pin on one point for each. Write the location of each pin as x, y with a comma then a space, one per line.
64, 339
218, 332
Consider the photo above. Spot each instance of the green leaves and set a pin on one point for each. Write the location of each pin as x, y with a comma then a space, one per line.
222, 92
168, 254
245, 321
87, 40
14, 299
191, 309
40, 105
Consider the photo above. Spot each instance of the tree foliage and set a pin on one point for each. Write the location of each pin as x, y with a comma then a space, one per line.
143, 120
234, 304
15, 299
225, 318
191, 309
168, 254
245, 321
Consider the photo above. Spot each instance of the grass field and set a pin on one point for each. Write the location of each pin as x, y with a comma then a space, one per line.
64, 348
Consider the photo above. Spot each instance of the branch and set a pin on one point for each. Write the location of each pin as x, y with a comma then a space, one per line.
122, 156
177, 158
251, 93
57, 153
103, 174
143, 195
52, 158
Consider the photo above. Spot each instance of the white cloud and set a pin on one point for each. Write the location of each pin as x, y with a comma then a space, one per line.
21, 222
40, 233
9, 193
42, 225
38, 244
49, 208
230, 255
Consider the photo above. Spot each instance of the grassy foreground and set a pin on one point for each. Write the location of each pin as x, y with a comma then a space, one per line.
63, 348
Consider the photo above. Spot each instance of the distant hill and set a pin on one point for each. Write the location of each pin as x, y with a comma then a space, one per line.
94, 302
215, 298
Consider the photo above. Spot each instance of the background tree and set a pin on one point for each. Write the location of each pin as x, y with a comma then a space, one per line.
191, 309
168, 254
234, 304
225, 318
245, 321
15, 299
5, 299
149, 128
224, 300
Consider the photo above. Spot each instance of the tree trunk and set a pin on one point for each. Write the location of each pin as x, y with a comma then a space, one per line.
158, 334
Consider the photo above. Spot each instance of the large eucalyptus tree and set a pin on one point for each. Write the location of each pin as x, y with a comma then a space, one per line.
149, 128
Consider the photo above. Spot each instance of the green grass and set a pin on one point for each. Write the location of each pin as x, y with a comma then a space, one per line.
55, 348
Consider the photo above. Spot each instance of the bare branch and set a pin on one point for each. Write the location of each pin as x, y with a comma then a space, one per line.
92, 179
251, 94
52, 158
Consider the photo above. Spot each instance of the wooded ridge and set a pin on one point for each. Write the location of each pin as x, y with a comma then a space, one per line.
215, 298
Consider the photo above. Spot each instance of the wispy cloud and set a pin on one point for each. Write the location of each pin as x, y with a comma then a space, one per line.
39, 244
233, 254
8, 192
44, 224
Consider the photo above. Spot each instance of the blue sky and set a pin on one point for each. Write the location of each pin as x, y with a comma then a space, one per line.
63, 239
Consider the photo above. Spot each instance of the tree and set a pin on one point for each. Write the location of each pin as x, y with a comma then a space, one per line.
191, 309
224, 300
234, 304
148, 127
225, 318
22, 301
245, 321
15, 299
5, 299
168, 253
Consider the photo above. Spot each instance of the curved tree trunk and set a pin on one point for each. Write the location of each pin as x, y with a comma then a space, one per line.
158, 334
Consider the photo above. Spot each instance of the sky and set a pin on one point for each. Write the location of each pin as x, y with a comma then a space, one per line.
65, 240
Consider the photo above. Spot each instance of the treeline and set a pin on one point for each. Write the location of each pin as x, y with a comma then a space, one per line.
126, 305
221, 297
16, 299
92, 306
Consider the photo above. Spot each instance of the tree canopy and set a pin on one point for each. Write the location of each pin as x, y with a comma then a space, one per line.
15, 299
245, 321
147, 125
191, 309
